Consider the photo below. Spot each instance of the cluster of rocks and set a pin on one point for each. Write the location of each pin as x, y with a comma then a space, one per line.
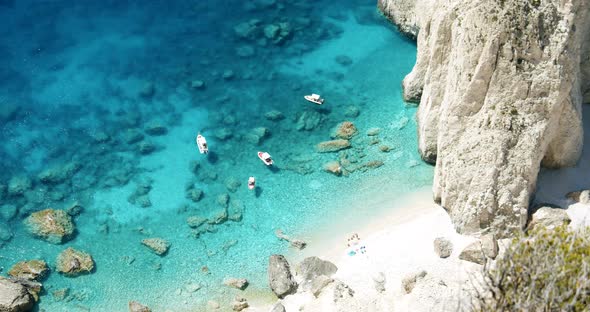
349, 156
256, 31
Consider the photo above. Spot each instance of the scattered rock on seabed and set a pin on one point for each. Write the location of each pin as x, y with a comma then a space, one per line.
72, 262
157, 245
238, 283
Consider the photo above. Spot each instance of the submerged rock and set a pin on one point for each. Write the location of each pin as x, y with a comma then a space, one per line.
280, 280
345, 130
15, 297
223, 134
30, 270
274, 115
54, 226
235, 210
343, 60
146, 147
198, 84
232, 184
238, 283
195, 221
223, 200
8, 212
135, 306
308, 121
333, 167
352, 112
133, 136
19, 185
59, 174
156, 127
147, 90
72, 262
158, 246
332, 146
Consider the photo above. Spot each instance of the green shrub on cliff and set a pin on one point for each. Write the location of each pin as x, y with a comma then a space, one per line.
544, 270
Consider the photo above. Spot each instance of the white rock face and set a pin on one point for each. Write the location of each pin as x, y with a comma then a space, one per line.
500, 85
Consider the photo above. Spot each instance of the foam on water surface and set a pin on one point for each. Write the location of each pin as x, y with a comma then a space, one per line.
106, 78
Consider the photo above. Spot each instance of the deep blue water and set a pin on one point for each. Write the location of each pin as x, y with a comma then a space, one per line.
81, 79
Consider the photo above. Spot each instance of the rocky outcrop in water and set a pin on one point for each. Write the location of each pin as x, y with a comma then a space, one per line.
500, 86
30, 270
54, 226
15, 297
72, 262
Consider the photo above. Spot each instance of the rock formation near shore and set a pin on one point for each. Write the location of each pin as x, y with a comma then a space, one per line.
500, 85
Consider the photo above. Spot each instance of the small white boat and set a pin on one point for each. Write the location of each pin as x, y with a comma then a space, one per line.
314, 98
265, 157
202, 144
251, 183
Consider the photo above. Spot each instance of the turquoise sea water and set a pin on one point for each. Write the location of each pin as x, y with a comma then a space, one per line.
81, 79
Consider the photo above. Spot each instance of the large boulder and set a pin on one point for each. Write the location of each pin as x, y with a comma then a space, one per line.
72, 262
443, 247
549, 217
54, 226
311, 267
30, 270
15, 297
280, 280
473, 253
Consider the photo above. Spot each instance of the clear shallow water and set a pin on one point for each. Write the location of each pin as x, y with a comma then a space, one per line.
77, 72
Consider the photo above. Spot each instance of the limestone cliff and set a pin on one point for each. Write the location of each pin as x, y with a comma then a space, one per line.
500, 85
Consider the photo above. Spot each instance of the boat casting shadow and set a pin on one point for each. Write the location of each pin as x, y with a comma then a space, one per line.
212, 158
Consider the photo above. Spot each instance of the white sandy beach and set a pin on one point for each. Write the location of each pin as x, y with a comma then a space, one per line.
398, 244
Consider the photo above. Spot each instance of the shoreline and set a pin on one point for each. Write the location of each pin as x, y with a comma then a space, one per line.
399, 241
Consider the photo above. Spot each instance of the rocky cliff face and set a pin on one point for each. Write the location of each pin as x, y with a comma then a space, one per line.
500, 85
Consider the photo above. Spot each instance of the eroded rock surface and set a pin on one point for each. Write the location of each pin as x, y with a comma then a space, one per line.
500, 86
